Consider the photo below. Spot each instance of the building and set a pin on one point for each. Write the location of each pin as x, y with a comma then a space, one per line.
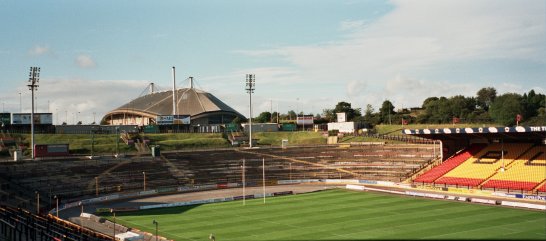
203, 109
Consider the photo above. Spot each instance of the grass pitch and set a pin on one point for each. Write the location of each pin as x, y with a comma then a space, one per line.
340, 215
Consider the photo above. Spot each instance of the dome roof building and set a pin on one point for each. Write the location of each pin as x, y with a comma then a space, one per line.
202, 107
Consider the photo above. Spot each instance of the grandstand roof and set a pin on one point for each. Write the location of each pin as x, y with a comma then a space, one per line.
519, 133
190, 101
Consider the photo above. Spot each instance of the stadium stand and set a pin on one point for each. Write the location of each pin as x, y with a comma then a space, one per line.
486, 163
510, 166
18, 224
74, 178
525, 173
449, 164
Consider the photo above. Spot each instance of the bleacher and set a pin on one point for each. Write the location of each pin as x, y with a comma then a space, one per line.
526, 172
72, 179
19, 224
449, 164
377, 162
511, 166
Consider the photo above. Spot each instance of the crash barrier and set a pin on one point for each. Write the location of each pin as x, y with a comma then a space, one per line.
459, 198
207, 187
214, 200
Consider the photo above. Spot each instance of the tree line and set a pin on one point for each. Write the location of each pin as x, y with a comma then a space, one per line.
485, 107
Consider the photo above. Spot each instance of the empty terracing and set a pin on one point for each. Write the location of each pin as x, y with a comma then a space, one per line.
74, 178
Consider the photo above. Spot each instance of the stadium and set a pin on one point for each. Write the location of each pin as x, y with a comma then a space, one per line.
444, 183
319, 120
200, 107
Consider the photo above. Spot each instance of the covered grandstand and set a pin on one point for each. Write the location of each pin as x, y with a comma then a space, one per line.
203, 108
505, 158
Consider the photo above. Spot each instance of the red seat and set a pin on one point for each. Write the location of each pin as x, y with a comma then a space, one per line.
459, 181
449, 164
511, 184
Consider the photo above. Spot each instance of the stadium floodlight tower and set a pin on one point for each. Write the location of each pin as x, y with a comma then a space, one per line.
250, 87
33, 79
174, 91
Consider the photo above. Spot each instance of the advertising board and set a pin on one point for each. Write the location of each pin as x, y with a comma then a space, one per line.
305, 120
50, 150
164, 119
39, 118
173, 119
181, 120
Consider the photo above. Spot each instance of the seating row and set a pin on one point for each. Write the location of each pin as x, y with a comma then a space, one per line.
520, 166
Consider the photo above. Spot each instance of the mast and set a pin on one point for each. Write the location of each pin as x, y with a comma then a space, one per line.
174, 91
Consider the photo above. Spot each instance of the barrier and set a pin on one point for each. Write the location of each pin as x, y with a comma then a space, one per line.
212, 200
481, 200
341, 181
367, 182
531, 197
167, 189
523, 205
145, 193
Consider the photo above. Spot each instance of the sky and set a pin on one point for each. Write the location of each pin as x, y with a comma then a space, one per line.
307, 55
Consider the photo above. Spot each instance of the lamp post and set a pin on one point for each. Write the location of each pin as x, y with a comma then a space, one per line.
92, 143
144, 185
263, 177
33, 79
37, 202
243, 180
117, 141
250, 87
156, 224
96, 186
114, 213
290, 164
20, 103
57, 205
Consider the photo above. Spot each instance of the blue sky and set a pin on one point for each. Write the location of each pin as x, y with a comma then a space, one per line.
306, 55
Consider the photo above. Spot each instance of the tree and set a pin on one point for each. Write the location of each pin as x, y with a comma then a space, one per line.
485, 97
346, 108
428, 101
505, 108
292, 115
264, 117
275, 117
386, 112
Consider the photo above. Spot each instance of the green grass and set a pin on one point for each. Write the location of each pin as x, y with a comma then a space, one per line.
340, 215
293, 137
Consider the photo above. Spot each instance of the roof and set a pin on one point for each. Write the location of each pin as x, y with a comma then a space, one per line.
190, 101
519, 133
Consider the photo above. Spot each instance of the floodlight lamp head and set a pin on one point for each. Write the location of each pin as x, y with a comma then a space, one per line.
250, 83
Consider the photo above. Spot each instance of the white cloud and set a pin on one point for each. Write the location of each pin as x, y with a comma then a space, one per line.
38, 50
83, 96
352, 25
85, 61
414, 41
